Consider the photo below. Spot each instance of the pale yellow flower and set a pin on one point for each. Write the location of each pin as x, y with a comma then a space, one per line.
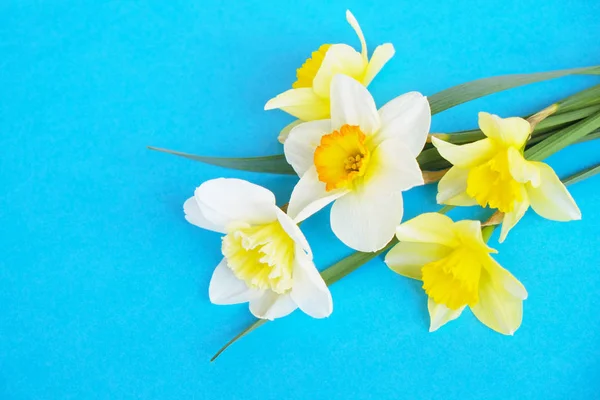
267, 260
308, 100
493, 172
454, 263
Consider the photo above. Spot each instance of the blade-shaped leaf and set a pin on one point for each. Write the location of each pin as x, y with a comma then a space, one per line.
482, 87
563, 138
439, 102
276, 164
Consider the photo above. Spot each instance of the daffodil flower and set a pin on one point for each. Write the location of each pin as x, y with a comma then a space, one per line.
309, 99
267, 260
361, 158
454, 263
493, 172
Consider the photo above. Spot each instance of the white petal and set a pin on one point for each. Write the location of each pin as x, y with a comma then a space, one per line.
226, 201
354, 24
452, 188
352, 104
299, 148
272, 305
407, 259
513, 217
380, 57
521, 170
309, 291
309, 196
551, 199
195, 217
302, 103
512, 132
339, 59
290, 227
365, 219
428, 228
225, 288
440, 315
505, 279
285, 132
497, 308
392, 165
466, 155
407, 118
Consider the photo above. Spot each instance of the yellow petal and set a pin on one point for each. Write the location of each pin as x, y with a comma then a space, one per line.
512, 217
522, 171
428, 228
497, 308
439, 314
302, 103
504, 278
469, 232
340, 59
551, 199
452, 188
380, 57
408, 258
466, 155
354, 24
511, 132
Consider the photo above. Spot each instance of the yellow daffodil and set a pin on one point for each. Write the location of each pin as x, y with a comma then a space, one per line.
308, 100
362, 159
454, 263
267, 260
493, 172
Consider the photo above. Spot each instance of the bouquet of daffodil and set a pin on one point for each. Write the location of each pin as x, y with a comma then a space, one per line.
347, 151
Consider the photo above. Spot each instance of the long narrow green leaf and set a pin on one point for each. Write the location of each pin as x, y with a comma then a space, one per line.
482, 87
581, 175
563, 138
330, 275
439, 102
276, 164
587, 97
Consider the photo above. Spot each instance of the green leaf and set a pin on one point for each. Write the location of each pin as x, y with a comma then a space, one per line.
276, 164
581, 175
439, 102
563, 138
482, 87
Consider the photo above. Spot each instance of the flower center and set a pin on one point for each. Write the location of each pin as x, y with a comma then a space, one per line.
307, 72
262, 256
492, 184
454, 279
341, 157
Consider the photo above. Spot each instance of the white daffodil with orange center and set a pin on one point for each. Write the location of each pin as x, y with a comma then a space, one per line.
454, 263
361, 158
308, 100
267, 260
493, 172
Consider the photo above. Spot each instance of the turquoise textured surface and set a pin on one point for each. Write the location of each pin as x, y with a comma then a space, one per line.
103, 284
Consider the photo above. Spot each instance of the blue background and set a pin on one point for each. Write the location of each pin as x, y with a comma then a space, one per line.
103, 284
